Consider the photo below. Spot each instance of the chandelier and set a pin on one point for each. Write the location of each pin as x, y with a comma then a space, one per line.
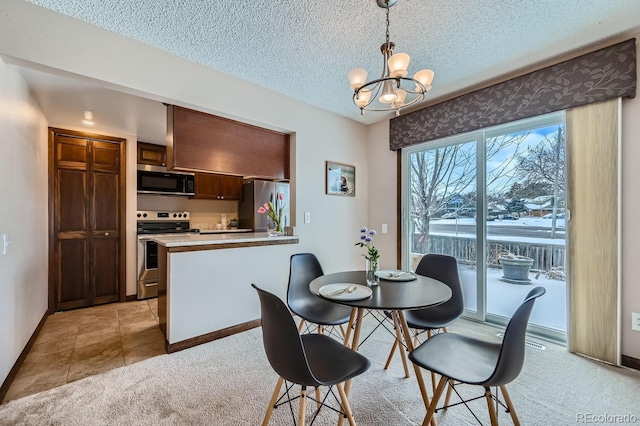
393, 90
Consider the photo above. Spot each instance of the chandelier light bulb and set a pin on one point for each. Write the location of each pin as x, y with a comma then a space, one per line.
363, 97
398, 64
388, 94
357, 78
425, 77
401, 95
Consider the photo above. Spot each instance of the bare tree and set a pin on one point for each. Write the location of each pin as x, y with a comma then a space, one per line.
438, 175
544, 164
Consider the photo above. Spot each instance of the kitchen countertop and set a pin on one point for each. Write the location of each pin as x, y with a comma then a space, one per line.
222, 231
193, 239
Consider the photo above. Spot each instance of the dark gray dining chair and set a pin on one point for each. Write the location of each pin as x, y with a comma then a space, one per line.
474, 361
444, 269
308, 360
304, 268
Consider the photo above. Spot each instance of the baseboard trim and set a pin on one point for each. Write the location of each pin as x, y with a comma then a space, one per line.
23, 355
131, 297
209, 337
631, 362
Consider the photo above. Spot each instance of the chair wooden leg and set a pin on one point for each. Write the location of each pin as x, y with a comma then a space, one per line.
303, 406
352, 318
492, 409
356, 313
301, 325
318, 396
433, 382
393, 350
434, 401
345, 404
507, 400
403, 355
449, 392
416, 368
344, 333
272, 402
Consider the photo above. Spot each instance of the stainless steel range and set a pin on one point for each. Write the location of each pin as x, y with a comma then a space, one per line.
151, 224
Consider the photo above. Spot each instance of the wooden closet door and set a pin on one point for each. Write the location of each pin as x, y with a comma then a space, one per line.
71, 222
104, 222
88, 210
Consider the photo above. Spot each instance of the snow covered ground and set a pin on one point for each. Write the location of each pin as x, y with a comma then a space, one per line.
523, 221
503, 298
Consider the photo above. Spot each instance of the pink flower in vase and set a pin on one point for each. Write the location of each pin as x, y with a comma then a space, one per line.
274, 212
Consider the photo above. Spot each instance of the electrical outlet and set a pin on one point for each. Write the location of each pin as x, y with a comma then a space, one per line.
384, 228
307, 217
635, 321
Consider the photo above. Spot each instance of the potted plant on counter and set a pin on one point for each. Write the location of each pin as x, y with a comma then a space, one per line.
275, 213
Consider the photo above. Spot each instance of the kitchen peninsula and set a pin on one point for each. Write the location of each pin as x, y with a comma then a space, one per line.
204, 283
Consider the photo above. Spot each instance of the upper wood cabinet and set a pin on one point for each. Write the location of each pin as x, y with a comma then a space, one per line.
155, 155
202, 142
218, 187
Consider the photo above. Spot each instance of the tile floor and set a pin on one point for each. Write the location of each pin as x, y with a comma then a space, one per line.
83, 342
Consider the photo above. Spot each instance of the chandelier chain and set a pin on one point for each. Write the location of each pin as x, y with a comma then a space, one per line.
387, 3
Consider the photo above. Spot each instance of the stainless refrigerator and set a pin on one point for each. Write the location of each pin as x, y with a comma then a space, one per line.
255, 194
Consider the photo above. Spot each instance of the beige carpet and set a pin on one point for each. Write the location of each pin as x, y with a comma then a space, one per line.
229, 382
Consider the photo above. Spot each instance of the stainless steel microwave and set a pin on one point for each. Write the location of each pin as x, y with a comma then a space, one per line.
165, 183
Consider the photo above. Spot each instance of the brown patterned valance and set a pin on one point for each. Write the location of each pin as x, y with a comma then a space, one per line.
597, 76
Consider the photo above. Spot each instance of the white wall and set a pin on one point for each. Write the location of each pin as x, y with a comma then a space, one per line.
23, 216
383, 195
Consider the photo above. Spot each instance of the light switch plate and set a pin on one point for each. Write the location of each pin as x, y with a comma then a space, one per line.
5, 244
307, 217
384, 228
635, 321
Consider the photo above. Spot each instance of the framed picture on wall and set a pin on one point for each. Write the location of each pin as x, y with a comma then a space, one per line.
340, 179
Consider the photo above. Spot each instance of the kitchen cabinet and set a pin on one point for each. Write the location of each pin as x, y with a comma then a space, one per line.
203, 142
218, 187
155, 155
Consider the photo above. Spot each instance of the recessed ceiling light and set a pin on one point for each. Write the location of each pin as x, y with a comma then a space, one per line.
88, 118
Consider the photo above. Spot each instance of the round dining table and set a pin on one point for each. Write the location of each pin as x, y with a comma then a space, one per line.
390, 295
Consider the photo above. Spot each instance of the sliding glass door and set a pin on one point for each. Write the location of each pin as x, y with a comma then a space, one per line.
441, 208
494, 199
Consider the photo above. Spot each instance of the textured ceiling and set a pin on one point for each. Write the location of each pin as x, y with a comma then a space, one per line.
304, 49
